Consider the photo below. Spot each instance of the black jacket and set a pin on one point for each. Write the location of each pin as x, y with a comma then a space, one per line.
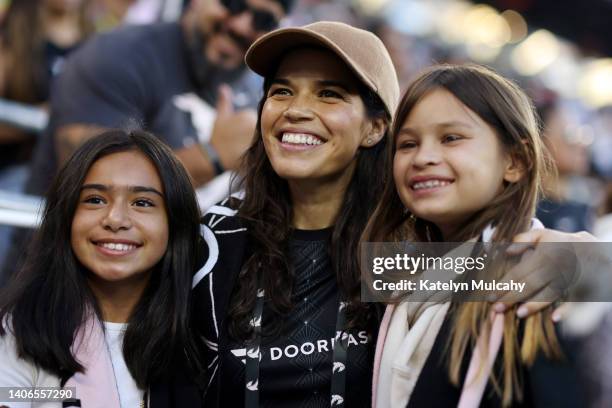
223, 253
212, 287
225, 238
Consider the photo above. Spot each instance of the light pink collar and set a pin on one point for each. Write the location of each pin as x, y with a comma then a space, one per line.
97, 386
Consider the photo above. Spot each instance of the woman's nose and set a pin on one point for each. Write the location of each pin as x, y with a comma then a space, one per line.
299, 109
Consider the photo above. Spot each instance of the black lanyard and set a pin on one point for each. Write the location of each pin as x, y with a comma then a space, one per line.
253, 357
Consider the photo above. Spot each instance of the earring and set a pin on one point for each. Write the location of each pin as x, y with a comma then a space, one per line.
408, 214
369, 141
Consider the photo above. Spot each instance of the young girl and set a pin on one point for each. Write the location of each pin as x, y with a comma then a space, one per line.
467, 158
101, 304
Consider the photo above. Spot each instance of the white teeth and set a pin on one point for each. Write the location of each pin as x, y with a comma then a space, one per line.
430, 184
117, 247
301, 138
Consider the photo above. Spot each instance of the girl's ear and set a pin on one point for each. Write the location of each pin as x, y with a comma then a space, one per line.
375, 133
515, 168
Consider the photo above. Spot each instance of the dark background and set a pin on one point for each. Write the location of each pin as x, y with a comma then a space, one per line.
588, 23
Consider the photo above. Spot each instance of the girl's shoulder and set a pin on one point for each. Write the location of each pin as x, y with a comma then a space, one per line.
18, 372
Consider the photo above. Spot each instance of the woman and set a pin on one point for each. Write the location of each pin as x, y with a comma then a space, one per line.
284, 257
102, 302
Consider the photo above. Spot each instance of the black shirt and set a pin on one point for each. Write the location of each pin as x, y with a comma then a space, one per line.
296, 367
434, 388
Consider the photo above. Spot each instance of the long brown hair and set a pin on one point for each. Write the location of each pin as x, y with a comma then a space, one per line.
267, 212
22, 46
506, 108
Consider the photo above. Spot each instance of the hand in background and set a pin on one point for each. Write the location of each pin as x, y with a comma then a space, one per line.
233, 130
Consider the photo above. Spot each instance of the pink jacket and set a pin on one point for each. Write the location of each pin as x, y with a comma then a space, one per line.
96, 387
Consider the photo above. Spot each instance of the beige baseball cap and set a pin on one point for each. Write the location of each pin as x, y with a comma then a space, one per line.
362, 51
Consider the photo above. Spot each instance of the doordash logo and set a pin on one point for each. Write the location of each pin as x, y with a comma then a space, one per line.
306, 348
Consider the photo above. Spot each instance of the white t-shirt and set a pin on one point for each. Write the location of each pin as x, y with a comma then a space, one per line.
129, 394
16, 372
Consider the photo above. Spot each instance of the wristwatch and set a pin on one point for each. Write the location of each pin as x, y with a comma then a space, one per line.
213, 156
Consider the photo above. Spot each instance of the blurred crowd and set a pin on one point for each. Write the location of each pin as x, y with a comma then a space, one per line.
36, 37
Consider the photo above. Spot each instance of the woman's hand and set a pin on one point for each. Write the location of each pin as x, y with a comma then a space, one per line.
538, 269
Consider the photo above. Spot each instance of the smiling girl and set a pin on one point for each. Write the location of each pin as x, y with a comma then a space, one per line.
101, 304
467, 158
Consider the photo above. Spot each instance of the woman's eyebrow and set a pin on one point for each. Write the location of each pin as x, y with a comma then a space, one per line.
279, 81
321, 83
330, 82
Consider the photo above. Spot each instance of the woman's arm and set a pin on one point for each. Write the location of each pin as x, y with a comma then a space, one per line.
537, 271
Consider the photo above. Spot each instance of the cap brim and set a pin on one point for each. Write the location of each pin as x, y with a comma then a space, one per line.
264, 54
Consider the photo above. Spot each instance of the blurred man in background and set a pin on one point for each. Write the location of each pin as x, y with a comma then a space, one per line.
168, 78
172, 79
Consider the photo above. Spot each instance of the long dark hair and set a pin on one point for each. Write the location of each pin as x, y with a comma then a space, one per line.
267, 212
49, 299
